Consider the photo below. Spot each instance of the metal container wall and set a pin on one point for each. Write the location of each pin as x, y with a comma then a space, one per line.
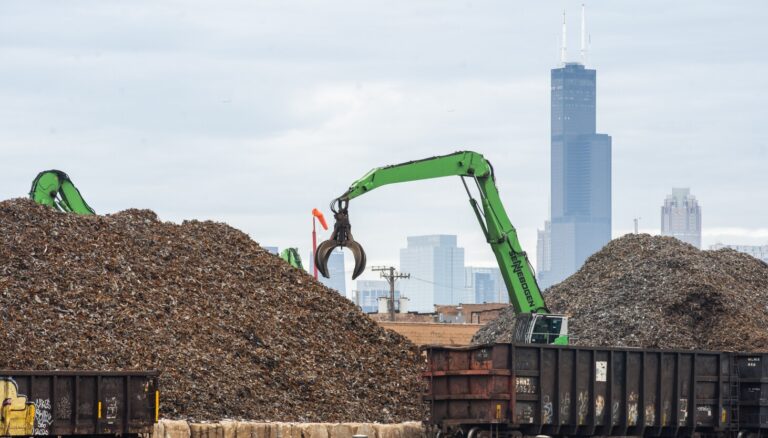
77, 403
563, 390
753, 390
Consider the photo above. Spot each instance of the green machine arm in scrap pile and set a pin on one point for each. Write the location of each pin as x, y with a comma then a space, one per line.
291, 255
534, 322
54, 189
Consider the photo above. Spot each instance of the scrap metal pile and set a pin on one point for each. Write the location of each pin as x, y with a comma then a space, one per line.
235, 331
658, 292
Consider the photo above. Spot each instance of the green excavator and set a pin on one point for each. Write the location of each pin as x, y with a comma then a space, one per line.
54, 189
534, 322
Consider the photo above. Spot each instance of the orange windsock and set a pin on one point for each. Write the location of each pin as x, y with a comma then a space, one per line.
319, 215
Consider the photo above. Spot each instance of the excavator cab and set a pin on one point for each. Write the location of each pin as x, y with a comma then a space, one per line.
537, 328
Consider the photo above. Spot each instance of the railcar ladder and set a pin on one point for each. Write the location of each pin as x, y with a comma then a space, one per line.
734, 396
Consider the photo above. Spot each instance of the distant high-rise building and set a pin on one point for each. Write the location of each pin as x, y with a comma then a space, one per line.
580, 176
337, 278
759, 252
681, 217
544, 253
436, 266
544, 248
486, 285
272, 249
369, 292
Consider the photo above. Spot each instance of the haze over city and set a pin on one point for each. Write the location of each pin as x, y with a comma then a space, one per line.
202, 111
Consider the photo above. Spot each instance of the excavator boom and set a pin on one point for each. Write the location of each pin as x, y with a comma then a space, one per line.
54, 189
458, 164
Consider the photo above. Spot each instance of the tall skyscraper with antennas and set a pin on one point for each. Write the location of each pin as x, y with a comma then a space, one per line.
580, 174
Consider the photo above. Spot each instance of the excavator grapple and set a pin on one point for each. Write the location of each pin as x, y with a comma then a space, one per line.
341, 237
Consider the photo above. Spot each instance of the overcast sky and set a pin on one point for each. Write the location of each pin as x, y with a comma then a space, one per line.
254, 112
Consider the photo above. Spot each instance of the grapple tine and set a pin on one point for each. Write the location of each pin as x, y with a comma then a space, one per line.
323, 254
360, 259
341, 237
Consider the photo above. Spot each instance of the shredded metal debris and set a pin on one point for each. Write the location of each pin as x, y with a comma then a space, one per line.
235, 331
658, 292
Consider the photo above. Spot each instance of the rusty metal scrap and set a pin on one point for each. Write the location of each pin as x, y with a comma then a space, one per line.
235, 331
658, 292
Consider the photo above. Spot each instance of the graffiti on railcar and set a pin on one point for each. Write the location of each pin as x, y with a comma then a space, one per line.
683, 411
546, 410
43, 417
112, 408
63, 408
17, 416
599, 408
583, 407
650, 413
632, 412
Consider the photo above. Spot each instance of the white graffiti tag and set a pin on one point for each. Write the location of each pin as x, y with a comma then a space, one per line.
43, 418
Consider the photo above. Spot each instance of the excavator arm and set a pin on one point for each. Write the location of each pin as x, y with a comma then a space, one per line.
456, 164
291, 255
54, 189
524, 292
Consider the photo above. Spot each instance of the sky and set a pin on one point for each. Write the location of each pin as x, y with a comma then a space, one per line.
254, 112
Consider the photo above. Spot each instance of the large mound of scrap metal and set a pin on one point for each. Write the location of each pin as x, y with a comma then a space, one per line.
235, 331
658, 292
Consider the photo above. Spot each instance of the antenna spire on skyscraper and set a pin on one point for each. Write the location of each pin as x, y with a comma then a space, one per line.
583, 36
563, 57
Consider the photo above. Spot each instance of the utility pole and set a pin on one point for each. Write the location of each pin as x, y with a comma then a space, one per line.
388, 273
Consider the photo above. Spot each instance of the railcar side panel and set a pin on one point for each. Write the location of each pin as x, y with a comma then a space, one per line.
574, 391
45, 403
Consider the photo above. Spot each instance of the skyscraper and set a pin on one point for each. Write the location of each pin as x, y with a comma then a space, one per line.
580, 177
681, 217
436, 266
337, 278
486, 285
544, 254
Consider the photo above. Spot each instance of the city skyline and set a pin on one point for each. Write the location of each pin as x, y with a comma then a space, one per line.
436, 275
200, 96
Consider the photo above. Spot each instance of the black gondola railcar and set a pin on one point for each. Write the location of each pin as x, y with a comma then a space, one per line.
68, 403
525, 389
